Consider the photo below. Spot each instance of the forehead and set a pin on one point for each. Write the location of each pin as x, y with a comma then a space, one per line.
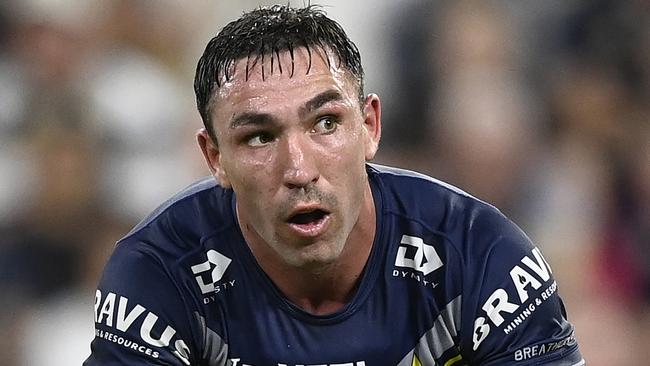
287, 75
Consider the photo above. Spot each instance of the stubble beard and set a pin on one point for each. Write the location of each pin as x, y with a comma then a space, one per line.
313, 254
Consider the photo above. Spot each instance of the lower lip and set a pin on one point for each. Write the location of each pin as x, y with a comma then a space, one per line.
312, 229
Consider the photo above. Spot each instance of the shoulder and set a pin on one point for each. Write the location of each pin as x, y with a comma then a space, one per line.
148, 284
509, 298
179, 224
475, 231
465, 230
476, 242
438, 207
405, 189
403, 180
138, 296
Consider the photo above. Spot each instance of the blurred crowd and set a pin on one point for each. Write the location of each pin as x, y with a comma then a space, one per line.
539, 107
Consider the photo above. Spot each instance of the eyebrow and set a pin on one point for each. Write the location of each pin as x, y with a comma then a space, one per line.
261, 119
320, 100
251, 118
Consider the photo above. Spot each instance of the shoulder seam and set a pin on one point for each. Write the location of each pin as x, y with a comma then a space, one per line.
199, 186
383, 169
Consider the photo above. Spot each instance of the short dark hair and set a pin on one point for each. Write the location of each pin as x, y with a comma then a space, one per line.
267, 31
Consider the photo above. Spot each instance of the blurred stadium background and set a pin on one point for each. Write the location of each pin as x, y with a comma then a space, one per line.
540, 107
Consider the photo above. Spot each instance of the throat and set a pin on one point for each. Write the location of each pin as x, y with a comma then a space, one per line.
324, 296
320, 307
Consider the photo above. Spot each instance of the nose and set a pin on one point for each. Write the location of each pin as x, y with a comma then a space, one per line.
300, 167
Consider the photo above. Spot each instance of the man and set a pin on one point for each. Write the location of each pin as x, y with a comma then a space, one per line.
305, 254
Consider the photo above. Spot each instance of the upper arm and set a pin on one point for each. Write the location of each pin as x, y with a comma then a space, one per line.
141, 317
512, 312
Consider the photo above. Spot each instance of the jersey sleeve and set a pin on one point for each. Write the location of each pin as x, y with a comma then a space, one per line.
141, 317
512, 313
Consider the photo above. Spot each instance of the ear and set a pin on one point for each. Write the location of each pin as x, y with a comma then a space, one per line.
372, 124
212, 156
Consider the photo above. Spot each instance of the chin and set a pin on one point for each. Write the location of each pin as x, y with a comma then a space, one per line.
314, 257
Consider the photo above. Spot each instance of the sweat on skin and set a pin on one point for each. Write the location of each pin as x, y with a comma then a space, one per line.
297, 144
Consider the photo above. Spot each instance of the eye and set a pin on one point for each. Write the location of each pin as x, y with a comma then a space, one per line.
259, 139
325, 125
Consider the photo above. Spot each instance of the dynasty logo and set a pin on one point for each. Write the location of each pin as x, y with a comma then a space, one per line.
414, 253
216, 264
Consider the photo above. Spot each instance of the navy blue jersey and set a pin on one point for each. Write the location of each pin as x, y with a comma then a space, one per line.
449, 281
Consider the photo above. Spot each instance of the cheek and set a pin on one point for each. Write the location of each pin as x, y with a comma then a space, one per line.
347, 146
255, 197
344, 160
246, 168
354, 153
253, 182
347, 168
257, 180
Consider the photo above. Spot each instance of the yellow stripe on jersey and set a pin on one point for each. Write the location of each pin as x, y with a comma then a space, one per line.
453, 360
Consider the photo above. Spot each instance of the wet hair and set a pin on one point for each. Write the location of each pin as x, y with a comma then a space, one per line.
259, 36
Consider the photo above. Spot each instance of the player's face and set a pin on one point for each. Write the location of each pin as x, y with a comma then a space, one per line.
294, 150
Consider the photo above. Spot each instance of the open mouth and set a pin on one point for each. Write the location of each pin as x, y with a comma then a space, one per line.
305, 218
310, 223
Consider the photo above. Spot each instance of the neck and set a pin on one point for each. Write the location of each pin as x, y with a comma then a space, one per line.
320, 293
327, 288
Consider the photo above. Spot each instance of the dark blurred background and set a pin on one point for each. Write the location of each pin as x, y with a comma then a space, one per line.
539, 107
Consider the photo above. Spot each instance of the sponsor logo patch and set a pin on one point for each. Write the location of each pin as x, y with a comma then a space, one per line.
216, 264
114, 312
414, 253
537, 350
415, 260
531, 273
